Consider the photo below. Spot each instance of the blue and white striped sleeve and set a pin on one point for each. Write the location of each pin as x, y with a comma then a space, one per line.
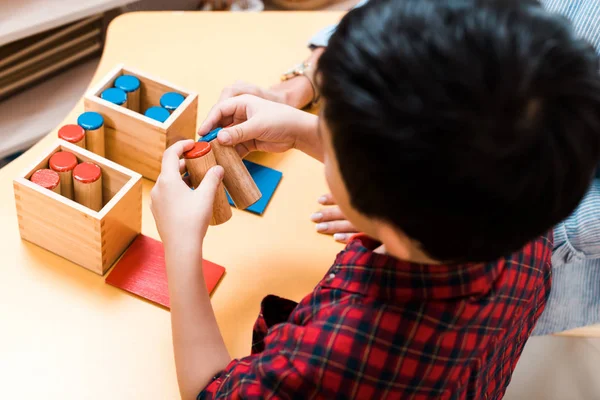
578, 237
584, 15
321, 38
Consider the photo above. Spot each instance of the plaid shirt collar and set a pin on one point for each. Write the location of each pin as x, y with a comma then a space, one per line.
360, 270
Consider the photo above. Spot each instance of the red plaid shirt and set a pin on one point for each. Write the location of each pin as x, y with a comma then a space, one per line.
379, 328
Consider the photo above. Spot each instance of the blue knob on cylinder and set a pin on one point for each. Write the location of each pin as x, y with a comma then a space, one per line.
115, 96
131, 86
171, 100
93, 123
157, 113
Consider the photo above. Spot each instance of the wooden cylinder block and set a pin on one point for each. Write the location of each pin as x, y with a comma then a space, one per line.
93, 123
47, 179
73, 134
130, 85
198, 161
238, 181
116, 96
63, 163
171, 101
87, 185
157, 113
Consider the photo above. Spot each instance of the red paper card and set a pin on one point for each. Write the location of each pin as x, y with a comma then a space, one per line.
142, 271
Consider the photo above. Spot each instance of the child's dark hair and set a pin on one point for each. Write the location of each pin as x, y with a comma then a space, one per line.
472, 126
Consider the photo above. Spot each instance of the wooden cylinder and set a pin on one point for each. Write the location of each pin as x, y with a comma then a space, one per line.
171, 100
93, 124
116, 96
198, 161
87, 185
238, 181
73, 134
157, 113
131, 86
63, 163
47, 179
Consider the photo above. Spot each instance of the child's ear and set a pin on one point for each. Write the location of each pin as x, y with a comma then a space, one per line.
399, 245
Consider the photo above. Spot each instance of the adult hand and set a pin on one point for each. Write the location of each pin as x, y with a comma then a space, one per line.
297, 92
182, 215
332, 221
277, 94
255, 124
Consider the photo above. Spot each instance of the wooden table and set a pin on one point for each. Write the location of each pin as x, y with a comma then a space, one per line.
64, 333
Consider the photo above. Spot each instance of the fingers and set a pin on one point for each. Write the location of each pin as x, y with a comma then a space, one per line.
236, 134
239, 88
328, 214
209, 185
222, 113
327, 200
171, 158
333, 227
182, 167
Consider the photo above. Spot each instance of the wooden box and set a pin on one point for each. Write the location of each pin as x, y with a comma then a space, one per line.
91, 239
134, 140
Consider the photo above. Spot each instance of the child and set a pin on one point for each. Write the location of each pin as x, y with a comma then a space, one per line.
455, 135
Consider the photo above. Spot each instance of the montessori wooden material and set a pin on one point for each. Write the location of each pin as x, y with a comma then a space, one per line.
142, 271
266, 179
93, 123
47, 179
238, 182
198, 161
135, 140
170, 101
91, 239
131, 85
158, 113
63, 163
115, 95
87, 185
73, 134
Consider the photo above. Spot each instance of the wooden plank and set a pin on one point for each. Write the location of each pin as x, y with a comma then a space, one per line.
51, 38
54, 67
182, 123
122, 223
53, 227
49, 53
129, 155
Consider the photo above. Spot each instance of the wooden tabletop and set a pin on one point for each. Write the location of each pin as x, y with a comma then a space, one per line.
64, 333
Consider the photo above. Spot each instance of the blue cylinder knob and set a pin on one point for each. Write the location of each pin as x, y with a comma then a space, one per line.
90, 121
114, 95
127, 83
210, 136
171, 100
157, 113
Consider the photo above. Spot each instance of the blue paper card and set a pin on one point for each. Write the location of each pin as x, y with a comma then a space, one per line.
267, 179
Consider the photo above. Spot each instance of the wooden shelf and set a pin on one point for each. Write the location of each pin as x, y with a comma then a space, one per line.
28, 116
23, 18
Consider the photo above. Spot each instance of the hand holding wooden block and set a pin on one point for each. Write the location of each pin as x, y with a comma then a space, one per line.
198, 161
239, 184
